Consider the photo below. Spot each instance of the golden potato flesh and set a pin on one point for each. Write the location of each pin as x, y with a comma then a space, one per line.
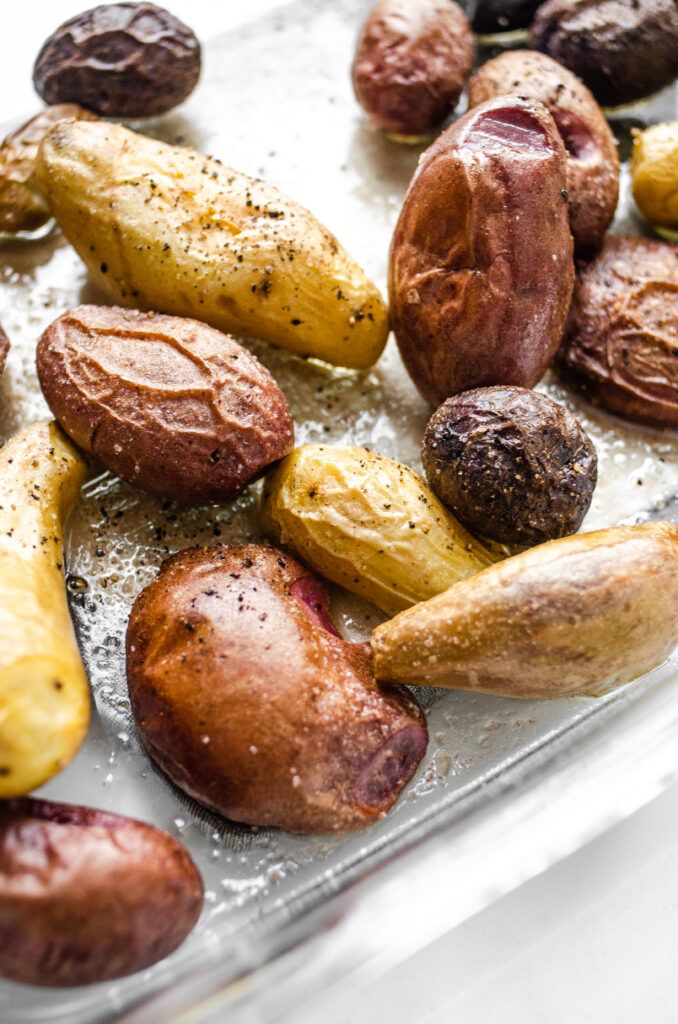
44, 696
162, 227
370, 524
654, 174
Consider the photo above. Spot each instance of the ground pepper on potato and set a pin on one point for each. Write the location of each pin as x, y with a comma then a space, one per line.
246, 696
511, 464
165, 228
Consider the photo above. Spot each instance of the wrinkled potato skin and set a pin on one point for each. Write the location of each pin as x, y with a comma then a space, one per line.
369, 524
152, 61
44, 696
171, 405
164, 228
576, 616
491, 16
4, 349
620, 349
22, 205
511, 464
623, 50
654, 173
86, 896
412, 61
592, 158
250, 703
481, 266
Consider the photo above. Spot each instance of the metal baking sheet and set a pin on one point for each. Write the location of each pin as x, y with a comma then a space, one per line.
275, 101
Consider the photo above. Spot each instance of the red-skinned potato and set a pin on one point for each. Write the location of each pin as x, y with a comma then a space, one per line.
620, 348
249, 700
413, 58
86, 896
481, 265
169, 404
592, 159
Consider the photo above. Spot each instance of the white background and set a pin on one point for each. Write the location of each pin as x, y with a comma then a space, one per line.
593, 939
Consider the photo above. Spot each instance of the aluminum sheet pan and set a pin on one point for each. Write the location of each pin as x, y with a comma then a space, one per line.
506, 786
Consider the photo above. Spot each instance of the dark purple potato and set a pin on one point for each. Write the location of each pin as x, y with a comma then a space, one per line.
413, 58
623, 50
256, 708
512, 464
119, 60
86, 896
490, 16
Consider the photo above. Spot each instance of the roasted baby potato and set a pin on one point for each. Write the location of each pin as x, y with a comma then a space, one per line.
44, 696
481, 267
164, 228
86, 896
492, 16
623, 50
368, 523
171, 405
575, 616
22, 206
121, 60
620, 349
654, 174
511, 464
592, 159
413, 58
245, 695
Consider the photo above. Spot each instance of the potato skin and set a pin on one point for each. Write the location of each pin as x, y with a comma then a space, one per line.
86, 895
369, 524
4, 348
188, 236
654, 171
511, 464
44, 695
120, 60
171, 405
592, 158
490, 16
623, 50
620, 348
575, 616
413, 58
481, 267
256, 709
22, 205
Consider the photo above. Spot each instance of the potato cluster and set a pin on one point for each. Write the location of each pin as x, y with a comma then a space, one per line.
244, 693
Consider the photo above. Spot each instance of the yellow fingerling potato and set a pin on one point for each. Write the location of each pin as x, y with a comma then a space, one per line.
654, 174
44, 697
574, 616
368, 523
162, 227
